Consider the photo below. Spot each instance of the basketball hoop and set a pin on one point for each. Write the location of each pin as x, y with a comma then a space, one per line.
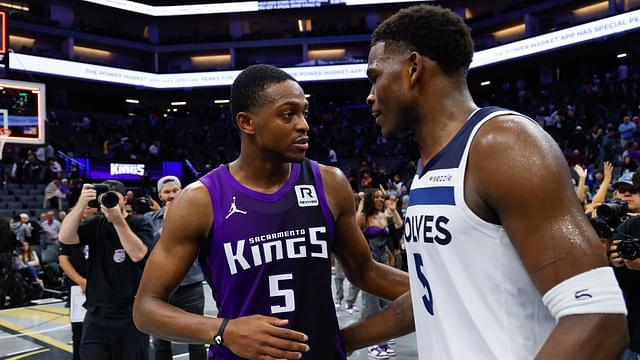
4, 136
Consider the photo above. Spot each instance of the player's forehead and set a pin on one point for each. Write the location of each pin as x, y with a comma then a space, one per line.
284, 93
376, 52
375, 58
384, 56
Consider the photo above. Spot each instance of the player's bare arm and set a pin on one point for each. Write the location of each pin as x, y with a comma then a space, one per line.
518, 178
352, 251
393, 321
350, 246
252, 337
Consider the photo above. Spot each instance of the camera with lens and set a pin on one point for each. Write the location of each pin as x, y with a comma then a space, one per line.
613, 212
104, 196
629, 248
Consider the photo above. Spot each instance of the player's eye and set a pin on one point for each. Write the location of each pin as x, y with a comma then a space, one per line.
288, 115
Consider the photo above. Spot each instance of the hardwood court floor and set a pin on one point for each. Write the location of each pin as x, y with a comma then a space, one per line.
43, 332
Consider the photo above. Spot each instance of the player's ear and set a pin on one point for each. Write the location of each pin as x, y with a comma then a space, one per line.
415, 64
246, 122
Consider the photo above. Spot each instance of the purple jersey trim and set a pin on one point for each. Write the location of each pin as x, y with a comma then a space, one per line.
293, 177
340, 345
323, 197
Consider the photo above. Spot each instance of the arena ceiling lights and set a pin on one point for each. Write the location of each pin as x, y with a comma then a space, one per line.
233, 7
535, 45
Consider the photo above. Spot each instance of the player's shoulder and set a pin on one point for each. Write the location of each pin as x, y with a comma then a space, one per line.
512, 135
330, 172
332, 177
196, 191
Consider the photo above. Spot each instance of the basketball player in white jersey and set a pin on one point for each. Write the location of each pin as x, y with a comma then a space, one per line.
503, 263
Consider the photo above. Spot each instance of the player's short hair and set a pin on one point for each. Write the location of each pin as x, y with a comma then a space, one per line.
432, 31
247, 88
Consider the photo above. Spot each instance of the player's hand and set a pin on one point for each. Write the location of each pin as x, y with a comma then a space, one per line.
614, 256
264, 338
113, 215
87, 194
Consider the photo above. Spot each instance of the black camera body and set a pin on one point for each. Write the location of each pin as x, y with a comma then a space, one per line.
104, 196
629, 248
613, 212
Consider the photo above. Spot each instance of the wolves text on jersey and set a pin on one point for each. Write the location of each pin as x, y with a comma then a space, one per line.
427, 229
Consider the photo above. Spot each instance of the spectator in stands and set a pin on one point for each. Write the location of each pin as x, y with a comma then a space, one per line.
366, 182
333, 157
375, 220
31, 170
8, 244
53, 196
628, 165
608, 145
627, 131
28, 263
634, 152
61, 216
22, 230
54, 168
154, 149
36, 229
353, 291
50, 228
85, 124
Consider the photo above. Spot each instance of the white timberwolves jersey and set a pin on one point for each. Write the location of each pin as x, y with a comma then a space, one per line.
472, 297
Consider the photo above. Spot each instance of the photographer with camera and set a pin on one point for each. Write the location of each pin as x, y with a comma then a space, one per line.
118, 246
624, 254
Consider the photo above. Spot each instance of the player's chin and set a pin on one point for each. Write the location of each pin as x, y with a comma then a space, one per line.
388, 128
295, 157
395, 130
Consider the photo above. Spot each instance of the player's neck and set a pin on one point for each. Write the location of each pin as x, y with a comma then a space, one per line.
440, 117
259, 174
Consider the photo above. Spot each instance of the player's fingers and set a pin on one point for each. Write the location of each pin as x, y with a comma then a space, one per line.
276, 322
282, 354
267, 357
284, 333
288, 345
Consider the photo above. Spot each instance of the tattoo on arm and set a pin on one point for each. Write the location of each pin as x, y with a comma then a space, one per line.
399, 315
402, 312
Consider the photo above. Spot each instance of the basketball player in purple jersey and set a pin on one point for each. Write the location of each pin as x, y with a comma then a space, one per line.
264, 227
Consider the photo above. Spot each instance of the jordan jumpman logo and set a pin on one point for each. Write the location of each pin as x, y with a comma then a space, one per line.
233, 209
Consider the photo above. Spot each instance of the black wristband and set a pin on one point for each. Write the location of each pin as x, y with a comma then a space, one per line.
218, 339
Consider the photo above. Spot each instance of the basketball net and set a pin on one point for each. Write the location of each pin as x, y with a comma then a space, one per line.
4, 136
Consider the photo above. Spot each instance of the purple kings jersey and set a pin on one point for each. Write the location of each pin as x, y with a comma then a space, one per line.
270, 254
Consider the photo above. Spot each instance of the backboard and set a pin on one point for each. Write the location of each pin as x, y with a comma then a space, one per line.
22, 111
